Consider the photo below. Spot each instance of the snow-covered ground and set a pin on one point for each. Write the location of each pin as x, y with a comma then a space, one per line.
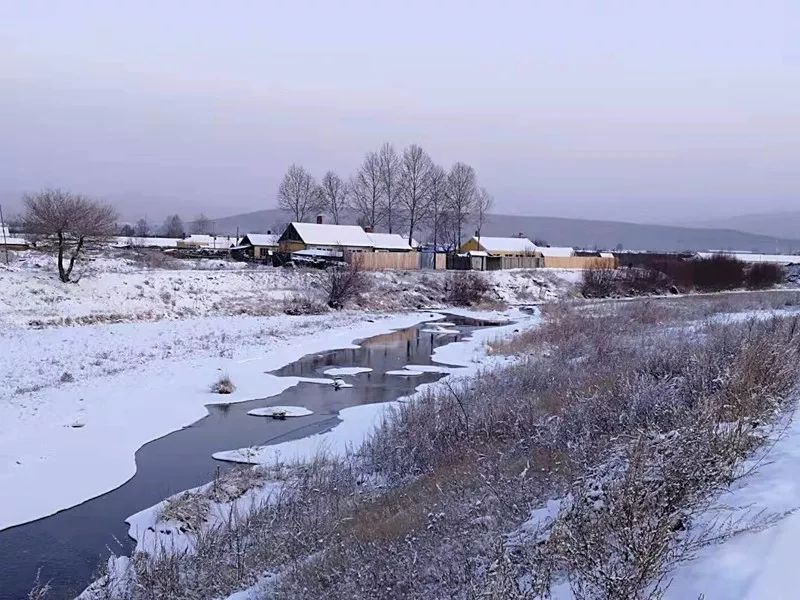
459, 359
72, 440
119, 288
760, 563
95, 369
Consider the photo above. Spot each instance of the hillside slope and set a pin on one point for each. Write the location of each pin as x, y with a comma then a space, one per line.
583, 233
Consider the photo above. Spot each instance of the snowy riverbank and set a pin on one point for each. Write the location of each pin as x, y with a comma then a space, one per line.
61, 445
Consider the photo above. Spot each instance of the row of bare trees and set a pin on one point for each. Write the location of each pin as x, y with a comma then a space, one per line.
405, 192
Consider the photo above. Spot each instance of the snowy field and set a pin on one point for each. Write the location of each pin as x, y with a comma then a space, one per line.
96, 369
118, 288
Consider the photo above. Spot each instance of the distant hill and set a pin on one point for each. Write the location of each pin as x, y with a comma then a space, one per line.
779, 224
582, 233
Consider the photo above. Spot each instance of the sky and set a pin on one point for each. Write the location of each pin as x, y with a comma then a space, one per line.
639, 111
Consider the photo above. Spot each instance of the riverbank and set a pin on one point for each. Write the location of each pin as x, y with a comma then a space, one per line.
64, 444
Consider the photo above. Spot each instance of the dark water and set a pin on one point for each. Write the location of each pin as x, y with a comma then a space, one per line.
68, 546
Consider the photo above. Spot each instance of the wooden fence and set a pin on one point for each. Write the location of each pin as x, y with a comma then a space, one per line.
579, 262
521, 262
378, 261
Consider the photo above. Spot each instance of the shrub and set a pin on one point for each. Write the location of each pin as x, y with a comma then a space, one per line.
598, 283
303, 303
342, 283
223, 385
763, 275
718, 272
465, 288
67, 377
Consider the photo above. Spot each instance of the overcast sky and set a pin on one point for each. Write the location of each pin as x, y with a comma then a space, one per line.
631, 110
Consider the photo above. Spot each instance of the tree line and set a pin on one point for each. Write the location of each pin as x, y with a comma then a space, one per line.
400, 192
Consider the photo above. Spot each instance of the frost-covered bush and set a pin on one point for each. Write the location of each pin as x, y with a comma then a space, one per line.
303, 303
223, 385
466, 288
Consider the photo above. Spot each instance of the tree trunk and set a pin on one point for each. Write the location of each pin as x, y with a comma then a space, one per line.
66, 274
62, 274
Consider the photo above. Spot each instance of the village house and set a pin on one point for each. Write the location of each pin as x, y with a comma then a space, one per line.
257, 246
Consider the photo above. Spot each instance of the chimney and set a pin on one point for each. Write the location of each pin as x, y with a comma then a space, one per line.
368, 228
319, 219
477, 233
269, 231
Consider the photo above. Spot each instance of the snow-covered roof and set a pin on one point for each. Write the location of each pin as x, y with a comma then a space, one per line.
7, 239
262, 239
203, 240
478, 253
505, 244
554, 251
389, 241
123, 241
317, 234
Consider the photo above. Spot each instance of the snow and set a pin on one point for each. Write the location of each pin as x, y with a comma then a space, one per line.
339, 371
286, 411
404, 373
52, 465
555, 251
261, 239
756, 564
389, 241
505, 244
315, 234
357, 422
440, 330
781, 259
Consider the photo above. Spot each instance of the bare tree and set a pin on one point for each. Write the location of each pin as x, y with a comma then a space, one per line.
298, 194
415, 182
173, 227
202, 224
483, 204
366, 192
127, 230
334, 194
461, 193
437, 200
74, 221
389, 164
142, 228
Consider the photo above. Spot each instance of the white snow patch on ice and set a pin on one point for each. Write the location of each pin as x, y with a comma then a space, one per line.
339, 371
286, 411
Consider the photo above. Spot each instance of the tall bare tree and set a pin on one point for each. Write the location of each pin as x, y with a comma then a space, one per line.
173, 227
74, 221
390, 184
437, 203
415, 182
142, 228
334, 194
483, 204
366, 192
298, 194
202, 224
461, 192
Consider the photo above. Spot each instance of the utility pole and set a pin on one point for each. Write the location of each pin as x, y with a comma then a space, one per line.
3, 227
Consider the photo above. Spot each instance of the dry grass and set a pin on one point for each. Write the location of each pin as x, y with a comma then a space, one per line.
638, 426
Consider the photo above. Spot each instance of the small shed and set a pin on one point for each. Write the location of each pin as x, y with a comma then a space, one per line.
258, 246
500, 246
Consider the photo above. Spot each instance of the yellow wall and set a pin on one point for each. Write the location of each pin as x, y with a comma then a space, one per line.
291, 246
470, 246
